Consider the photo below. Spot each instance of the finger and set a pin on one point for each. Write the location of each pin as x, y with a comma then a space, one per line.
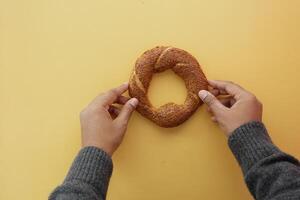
109, 97
113, 111
223, 92
112, 95
228, 87
213, 118
211, 101
208, 109
232, 101
122, 100
217, 92
214, 91
127, 110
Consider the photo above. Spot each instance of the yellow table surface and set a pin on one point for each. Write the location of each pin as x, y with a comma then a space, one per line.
56, 55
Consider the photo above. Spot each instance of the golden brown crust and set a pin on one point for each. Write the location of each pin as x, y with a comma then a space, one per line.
184, 65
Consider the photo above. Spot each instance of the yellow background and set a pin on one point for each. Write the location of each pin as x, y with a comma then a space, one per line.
56, 55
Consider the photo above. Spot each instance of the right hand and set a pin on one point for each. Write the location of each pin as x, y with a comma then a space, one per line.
240, 106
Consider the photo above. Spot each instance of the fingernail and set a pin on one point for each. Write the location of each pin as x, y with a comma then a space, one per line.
134, 102
203, 94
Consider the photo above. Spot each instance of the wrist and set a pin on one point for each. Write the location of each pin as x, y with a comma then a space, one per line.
239, 124
109, 151
251, 143
91, 166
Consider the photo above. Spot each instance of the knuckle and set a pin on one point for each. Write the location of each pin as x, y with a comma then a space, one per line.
227, 87
113, 92
122, 124
83, 113
251, 97
217, 118
259, 103
89, 111
101, 94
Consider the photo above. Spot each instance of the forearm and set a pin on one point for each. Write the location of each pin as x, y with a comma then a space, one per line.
88, 176
269, 172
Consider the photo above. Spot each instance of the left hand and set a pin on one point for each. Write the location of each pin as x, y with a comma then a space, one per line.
103, 125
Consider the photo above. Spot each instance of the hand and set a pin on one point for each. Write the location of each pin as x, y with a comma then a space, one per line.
237, 108
103, 125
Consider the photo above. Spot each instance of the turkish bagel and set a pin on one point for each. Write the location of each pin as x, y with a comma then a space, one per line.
157, 60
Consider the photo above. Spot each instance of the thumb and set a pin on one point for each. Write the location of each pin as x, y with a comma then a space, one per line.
127, 110
211, 101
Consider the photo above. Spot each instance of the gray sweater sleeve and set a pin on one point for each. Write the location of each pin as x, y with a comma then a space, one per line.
269, 173
88, 177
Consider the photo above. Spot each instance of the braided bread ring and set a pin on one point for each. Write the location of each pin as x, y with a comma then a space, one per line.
184, 65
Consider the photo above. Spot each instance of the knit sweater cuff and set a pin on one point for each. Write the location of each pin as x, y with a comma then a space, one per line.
92, 166
251, 143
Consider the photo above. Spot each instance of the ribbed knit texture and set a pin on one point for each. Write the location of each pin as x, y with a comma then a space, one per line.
92, 166
250, 143
88, 177
270, 174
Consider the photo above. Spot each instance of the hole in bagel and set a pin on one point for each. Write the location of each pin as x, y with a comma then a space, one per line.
166, 87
